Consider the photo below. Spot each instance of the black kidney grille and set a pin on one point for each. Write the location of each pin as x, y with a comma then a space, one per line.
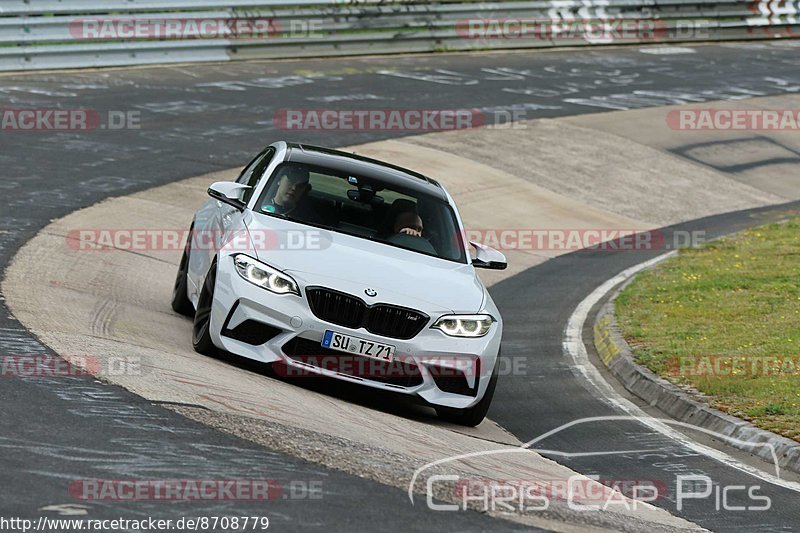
336, 307
391, 321
352, 312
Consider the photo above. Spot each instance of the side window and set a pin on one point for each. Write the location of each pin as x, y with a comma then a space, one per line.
244, 177
254, 172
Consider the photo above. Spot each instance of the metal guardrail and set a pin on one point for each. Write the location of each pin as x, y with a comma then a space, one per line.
47, 34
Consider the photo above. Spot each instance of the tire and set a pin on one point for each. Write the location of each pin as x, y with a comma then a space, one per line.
201, 334
471, 416
180, 301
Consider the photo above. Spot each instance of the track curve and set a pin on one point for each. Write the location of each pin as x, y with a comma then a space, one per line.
178, 143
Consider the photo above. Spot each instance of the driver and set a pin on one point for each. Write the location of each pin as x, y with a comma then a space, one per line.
290, 195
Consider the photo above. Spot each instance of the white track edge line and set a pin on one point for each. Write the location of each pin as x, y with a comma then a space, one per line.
573, 346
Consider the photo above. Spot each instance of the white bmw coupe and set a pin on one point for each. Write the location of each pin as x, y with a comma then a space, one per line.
342, 266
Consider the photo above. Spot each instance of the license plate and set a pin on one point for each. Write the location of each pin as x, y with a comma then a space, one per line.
356, 346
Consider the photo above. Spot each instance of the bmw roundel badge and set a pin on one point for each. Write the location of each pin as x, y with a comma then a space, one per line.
371, 292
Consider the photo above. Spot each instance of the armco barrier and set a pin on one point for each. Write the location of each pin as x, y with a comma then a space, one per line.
47, 34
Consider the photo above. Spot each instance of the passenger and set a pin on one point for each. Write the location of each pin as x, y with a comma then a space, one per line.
408, 223
408, 230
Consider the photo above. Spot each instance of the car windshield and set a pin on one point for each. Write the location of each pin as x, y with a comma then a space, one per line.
364, 207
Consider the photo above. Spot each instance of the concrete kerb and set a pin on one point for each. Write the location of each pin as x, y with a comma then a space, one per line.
617, 355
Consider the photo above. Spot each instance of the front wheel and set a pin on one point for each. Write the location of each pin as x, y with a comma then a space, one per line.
180, 301
471, 416
201, 328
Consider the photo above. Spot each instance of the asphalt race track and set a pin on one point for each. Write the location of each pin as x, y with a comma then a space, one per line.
201, 118
557, 287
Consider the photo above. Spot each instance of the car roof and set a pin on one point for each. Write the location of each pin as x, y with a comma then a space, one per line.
364, 166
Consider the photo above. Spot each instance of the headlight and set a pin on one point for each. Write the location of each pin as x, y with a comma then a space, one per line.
265, 276
464, 325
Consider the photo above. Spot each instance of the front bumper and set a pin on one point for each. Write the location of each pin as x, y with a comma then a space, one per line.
443, 364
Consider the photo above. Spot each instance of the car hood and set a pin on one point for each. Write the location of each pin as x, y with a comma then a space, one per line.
353, 265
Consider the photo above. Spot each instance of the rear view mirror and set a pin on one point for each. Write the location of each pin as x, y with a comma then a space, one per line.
365, 196
229, 192
488, 257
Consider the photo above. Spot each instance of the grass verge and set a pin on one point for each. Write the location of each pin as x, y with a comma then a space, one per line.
725, 320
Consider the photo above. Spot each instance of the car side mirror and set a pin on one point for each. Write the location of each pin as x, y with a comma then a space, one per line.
229, 192
488, 257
